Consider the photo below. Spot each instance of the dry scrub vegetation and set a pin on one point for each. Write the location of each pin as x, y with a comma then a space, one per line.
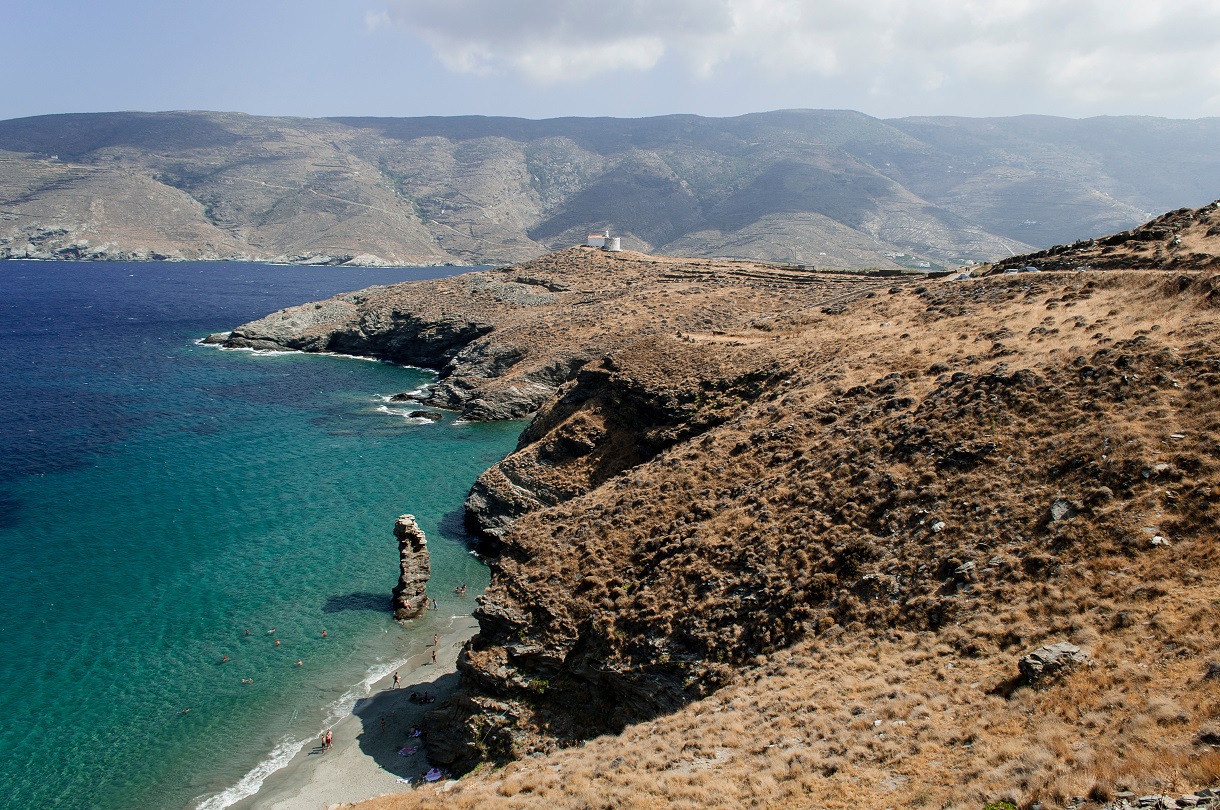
792, 562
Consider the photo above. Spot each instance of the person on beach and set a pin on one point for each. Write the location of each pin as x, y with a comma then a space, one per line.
436, 640
329, 741
434, 656
395, 680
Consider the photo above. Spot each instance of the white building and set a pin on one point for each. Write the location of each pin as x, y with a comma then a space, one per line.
605, 241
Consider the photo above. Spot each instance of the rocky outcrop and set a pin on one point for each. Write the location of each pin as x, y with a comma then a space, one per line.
606, 419
502, 347
430, 325
1184, 239
410, 596
1050, 661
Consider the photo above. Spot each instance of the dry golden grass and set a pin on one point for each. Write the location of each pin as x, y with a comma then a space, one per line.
796, 555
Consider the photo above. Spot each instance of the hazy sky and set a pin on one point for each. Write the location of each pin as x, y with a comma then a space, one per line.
547, 58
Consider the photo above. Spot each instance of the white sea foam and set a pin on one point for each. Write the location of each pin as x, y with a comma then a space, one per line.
252, 781
276, 352
255, 352
289, 747
391, 398
414, 420
356, 357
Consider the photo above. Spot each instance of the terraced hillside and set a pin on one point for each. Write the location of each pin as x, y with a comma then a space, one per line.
830, 188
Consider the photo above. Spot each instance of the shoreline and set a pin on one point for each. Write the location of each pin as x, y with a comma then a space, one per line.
364, 760
231, 260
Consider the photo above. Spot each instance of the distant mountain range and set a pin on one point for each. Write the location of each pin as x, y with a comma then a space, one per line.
831, 188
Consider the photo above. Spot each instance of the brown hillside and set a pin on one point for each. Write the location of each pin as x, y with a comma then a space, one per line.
1180, 240
780, 541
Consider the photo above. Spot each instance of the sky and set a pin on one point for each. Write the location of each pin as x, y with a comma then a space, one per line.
622, 58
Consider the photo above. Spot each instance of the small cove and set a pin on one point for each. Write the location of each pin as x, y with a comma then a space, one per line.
159, 499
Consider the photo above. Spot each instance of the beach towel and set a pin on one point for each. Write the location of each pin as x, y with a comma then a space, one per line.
433, 775
406, 751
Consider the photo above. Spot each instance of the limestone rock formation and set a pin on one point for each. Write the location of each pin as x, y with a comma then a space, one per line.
410, 594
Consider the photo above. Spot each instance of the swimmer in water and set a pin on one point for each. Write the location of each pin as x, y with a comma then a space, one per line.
299, 662
323, 634
277, 642
247, 680
272, 630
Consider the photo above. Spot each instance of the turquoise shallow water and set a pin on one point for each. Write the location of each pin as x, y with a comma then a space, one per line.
159, 498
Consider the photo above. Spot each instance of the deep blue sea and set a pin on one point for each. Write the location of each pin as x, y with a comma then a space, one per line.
159, 498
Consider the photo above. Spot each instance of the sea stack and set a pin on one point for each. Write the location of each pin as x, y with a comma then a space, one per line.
410, 594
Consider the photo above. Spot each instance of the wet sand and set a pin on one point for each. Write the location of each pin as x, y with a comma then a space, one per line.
364, 761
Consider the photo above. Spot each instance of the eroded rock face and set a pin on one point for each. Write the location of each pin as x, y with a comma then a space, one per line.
410, 595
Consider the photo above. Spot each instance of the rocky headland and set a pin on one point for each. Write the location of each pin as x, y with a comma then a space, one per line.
781, 538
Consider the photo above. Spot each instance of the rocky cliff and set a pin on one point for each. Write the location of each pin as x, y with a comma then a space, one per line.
781, 538
800, 554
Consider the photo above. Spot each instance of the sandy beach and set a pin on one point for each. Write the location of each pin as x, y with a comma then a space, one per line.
364, 760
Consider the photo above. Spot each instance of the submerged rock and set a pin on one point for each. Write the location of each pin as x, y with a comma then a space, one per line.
410, 595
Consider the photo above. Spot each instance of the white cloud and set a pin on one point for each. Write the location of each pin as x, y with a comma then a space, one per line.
1089, 53
553, 40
